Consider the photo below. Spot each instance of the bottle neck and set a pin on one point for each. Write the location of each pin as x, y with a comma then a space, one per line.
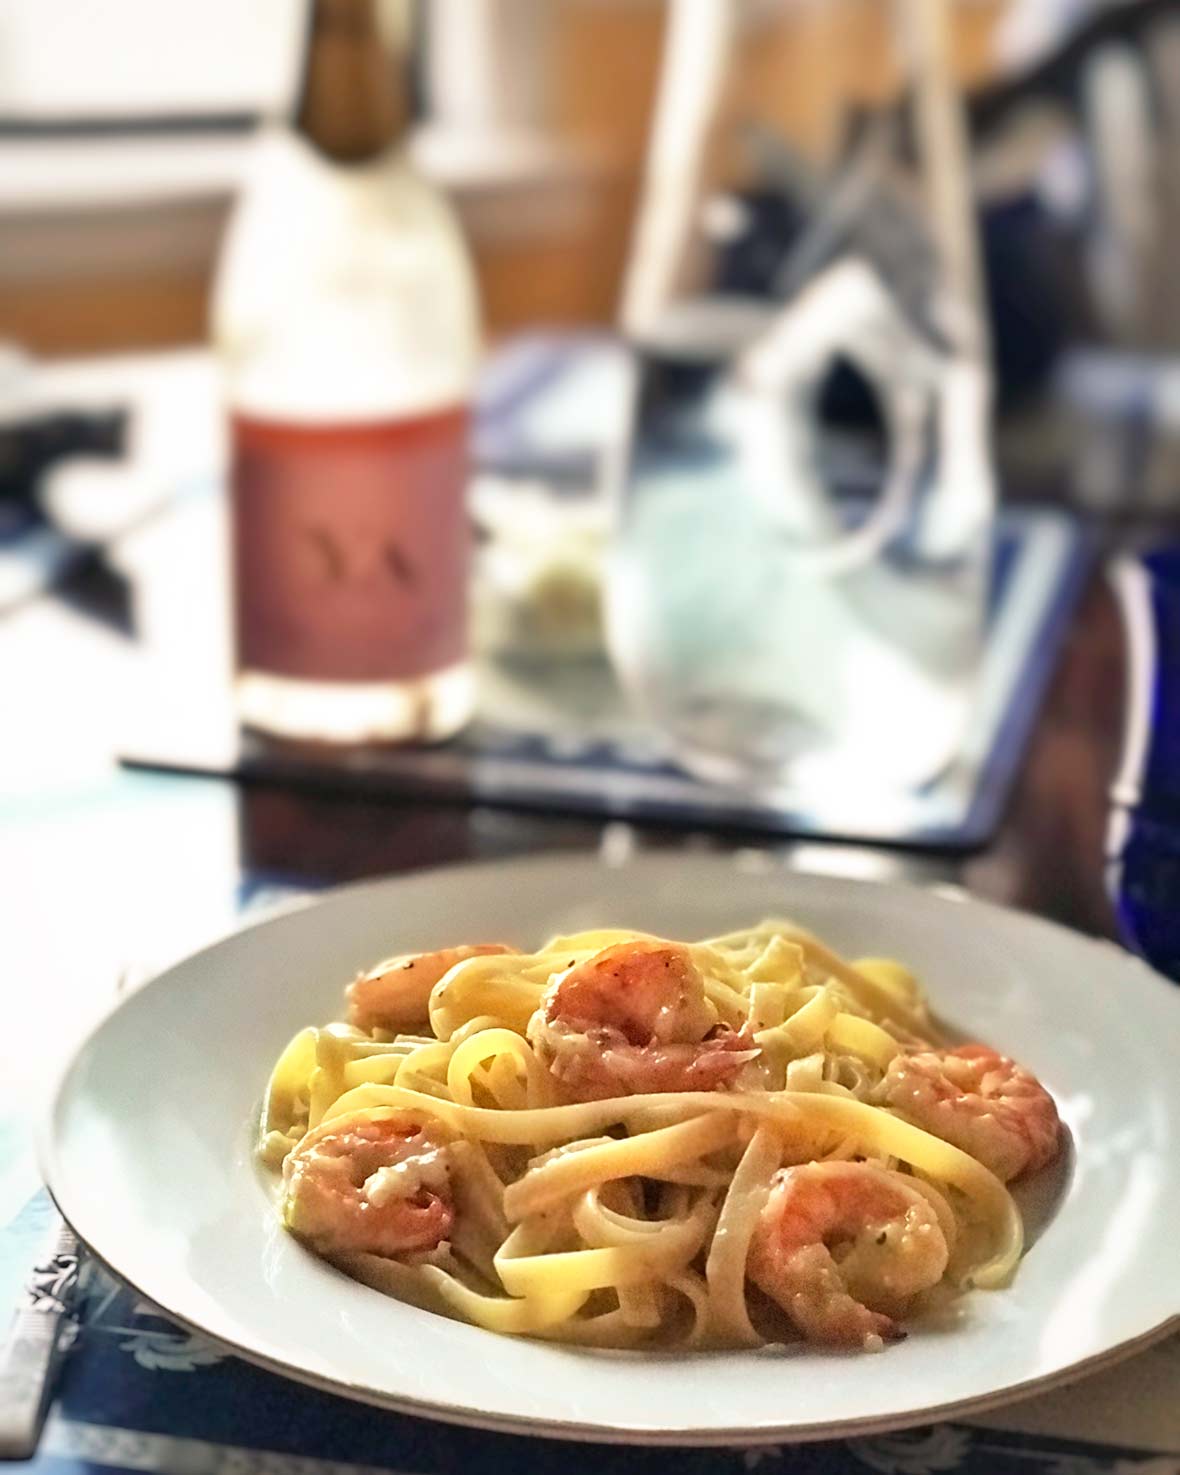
354, 102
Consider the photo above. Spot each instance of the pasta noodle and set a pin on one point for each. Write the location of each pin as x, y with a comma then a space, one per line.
621, 1140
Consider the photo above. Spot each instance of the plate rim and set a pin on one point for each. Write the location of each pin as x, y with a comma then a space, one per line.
573, 1430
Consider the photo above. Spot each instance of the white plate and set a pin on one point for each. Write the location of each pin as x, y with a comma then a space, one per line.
148, 1155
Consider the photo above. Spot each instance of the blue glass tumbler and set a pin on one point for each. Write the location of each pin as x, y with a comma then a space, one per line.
1144, 837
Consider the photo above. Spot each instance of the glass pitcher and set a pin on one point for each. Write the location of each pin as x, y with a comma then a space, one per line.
797, 608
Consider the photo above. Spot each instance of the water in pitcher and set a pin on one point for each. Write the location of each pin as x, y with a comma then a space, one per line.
786, 630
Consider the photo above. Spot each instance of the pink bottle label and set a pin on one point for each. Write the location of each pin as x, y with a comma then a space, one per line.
351, 547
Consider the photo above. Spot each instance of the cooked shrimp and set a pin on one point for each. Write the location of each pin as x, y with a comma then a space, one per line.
381, 1187
395, 994
842, 1246
980, 1101
634, 1017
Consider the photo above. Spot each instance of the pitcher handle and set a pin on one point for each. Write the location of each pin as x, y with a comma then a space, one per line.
773, 391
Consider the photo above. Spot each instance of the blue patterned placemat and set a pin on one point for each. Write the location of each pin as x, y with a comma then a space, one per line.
139, 1393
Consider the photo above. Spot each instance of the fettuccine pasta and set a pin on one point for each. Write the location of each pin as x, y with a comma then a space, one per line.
623, 1140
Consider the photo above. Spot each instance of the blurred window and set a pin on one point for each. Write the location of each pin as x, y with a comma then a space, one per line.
125, 125
110, 65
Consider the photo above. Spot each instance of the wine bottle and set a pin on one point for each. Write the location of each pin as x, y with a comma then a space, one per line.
345, 317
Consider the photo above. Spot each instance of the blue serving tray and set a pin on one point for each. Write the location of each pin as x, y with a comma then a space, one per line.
606, 764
